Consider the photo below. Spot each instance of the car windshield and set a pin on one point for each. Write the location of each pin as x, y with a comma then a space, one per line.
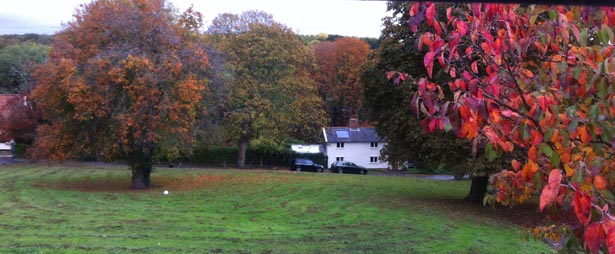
304, 161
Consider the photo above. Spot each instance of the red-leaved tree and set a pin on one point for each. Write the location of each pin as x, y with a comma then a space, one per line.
539, 80
19, 122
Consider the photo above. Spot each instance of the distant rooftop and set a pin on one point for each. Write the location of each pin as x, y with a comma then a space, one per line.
350, 135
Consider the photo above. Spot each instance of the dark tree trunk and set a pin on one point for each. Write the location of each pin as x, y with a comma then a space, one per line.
478, 189
141, 166
244, 141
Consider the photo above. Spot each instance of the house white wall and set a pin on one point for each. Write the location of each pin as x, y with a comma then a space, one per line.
359, 153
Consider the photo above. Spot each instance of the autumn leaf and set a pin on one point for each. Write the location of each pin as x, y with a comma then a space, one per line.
475, 67
582, 206
515, 164
551, 190
610, 238
462, 27
428, 61
532, 153
593, 236
600, 182
543, 102
584, 134
390, 74
430, 14
470, 130
527, 73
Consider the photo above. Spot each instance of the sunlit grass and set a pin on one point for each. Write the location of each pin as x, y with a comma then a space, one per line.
89, 209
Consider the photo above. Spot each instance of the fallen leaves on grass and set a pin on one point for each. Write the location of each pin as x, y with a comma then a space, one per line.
163, 182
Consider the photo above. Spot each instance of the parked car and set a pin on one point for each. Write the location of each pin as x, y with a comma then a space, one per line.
301, 164
347, 167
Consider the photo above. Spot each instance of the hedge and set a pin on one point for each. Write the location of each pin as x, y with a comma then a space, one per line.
255, 158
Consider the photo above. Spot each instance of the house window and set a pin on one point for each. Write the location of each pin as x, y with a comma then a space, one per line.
339, 158
373, 144
373, 159
340, 144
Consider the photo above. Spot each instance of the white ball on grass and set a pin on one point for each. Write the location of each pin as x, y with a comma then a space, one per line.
166, 192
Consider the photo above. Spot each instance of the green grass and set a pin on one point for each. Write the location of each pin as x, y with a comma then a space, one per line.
86, 209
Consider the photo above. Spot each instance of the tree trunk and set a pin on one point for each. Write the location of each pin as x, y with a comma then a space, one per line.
244, 141
138, 178
478, 189
141, 166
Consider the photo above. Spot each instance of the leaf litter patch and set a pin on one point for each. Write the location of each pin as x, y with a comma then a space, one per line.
162, 182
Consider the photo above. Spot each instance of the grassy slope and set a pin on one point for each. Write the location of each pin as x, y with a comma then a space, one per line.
243, 212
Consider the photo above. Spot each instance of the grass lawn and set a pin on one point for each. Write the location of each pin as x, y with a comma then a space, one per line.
88, 209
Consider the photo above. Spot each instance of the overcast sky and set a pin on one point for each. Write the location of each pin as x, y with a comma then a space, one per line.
343, 17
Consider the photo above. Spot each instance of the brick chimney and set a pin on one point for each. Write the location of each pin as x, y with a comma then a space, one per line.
353, 122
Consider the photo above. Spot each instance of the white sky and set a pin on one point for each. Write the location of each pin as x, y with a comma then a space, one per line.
343, 17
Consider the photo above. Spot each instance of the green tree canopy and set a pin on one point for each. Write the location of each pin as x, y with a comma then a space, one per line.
271, 94
15, 62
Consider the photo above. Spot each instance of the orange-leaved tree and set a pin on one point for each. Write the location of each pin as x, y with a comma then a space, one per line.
123, 81
535, 79
339, 64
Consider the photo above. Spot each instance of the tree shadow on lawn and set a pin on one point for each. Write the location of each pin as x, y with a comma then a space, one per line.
525, 215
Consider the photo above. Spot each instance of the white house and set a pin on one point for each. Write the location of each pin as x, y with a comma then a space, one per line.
360, 145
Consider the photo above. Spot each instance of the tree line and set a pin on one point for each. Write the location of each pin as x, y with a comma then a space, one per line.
139, 81
251, 82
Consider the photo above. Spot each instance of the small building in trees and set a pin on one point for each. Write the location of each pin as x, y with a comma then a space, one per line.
311, 148
361, 145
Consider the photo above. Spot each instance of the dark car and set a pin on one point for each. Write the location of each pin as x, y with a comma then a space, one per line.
347, 167
306, 165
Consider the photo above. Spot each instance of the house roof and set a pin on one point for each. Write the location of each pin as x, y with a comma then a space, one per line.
350, 135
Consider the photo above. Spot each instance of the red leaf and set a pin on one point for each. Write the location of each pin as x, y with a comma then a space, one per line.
582, 207
610, 239
475, 67
516, 164
432, 125
467, 76
551, 190
462, 28
531, 153
536, 137
543, 102
593, 236
414, 9
453, 72
430, 14
390, 74
428, 61
449, 12
436, 26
